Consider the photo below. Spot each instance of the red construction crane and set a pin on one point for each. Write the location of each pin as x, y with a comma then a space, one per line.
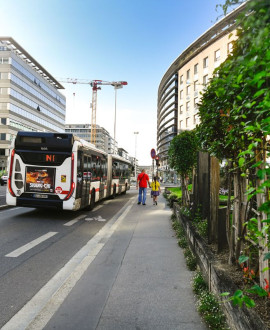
95, 84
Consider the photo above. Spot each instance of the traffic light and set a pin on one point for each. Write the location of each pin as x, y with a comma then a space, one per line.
157, 161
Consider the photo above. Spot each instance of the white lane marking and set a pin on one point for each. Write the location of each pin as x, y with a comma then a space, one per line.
99, 218
97, 208
40, 309
2, 195
16, 253
71, 222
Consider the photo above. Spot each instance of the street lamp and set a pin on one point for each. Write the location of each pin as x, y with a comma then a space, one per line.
136, 133
116, 86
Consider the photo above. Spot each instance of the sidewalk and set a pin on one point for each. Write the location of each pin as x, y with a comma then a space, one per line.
138, 280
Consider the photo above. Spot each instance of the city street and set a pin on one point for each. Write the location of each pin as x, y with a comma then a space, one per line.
117, 267
3, 195
35, 244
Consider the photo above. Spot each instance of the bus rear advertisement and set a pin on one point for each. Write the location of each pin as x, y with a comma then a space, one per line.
63, 171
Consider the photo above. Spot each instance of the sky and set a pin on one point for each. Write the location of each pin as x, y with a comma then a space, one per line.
110, 40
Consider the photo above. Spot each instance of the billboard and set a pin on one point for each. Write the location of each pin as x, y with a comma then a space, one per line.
40, 179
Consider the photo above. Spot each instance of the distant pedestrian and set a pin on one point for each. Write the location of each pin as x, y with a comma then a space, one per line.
142, 181
155, 185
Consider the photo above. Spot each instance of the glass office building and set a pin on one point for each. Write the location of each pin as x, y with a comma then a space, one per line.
30, 99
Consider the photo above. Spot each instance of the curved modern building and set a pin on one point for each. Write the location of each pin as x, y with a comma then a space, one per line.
181, 86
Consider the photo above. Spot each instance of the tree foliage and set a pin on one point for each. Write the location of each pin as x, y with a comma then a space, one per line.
183, 152
183, 157
234, 110
235, 113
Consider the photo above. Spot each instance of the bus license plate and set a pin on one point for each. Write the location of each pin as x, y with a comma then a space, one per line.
40, 196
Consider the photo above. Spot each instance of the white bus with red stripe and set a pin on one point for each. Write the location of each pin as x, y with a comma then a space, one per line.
63, 171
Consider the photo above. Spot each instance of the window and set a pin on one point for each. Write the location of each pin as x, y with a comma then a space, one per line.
3, 90
205, 62
181, 94
187, 106
3, 136
181, 124
229, 47
3, 75
188, 90
194, 119
217, 55
2, 152
3, 121
196, 68
196, 84
188, 74
181, 109
196, 103
181, 80
187, 121
205, 79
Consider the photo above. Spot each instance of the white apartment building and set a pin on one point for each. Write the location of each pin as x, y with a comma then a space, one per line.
30, 99
195, 75
181, 86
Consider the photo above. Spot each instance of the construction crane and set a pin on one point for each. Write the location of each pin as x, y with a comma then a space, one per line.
95, 84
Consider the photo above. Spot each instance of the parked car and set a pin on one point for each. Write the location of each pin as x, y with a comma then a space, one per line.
3, 179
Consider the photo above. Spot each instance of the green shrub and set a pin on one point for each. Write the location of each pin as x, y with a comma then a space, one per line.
191, 261
182, 242
199, 283
165, 195
202, 228
173, 217
172, 199
207, 304
210, 309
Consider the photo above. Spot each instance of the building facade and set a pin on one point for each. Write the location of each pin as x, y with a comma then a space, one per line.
182, 85
30, 99
103, 139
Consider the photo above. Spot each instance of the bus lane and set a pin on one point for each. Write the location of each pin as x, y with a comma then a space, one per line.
35, 244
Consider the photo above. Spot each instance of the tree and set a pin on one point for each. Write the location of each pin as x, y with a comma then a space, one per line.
182, 157
235, 124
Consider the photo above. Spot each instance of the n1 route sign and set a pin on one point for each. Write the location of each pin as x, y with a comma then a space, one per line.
153, 153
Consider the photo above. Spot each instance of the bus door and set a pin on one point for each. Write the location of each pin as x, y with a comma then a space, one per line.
102, 169
79, 175
86, 180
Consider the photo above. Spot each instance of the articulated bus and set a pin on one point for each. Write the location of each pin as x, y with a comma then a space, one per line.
63, 171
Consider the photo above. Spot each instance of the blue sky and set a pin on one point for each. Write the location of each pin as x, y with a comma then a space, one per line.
134, 41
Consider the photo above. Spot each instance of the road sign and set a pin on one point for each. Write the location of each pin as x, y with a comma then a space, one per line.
153, 153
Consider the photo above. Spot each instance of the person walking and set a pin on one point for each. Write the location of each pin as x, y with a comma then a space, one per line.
142, 181
155, 185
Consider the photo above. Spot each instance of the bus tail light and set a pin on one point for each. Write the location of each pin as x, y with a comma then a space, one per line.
72, 183
10, 173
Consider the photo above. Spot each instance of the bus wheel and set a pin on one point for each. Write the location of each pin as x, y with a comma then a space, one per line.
125, 191
92, 202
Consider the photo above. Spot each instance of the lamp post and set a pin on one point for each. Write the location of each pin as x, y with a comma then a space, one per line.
136, 133
116, 86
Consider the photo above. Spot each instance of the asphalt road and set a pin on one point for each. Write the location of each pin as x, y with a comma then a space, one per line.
3, 194
35, 244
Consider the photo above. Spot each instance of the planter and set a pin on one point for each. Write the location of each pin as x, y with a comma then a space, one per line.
218, 281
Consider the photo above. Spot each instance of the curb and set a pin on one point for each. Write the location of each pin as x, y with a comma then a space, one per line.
3, 207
